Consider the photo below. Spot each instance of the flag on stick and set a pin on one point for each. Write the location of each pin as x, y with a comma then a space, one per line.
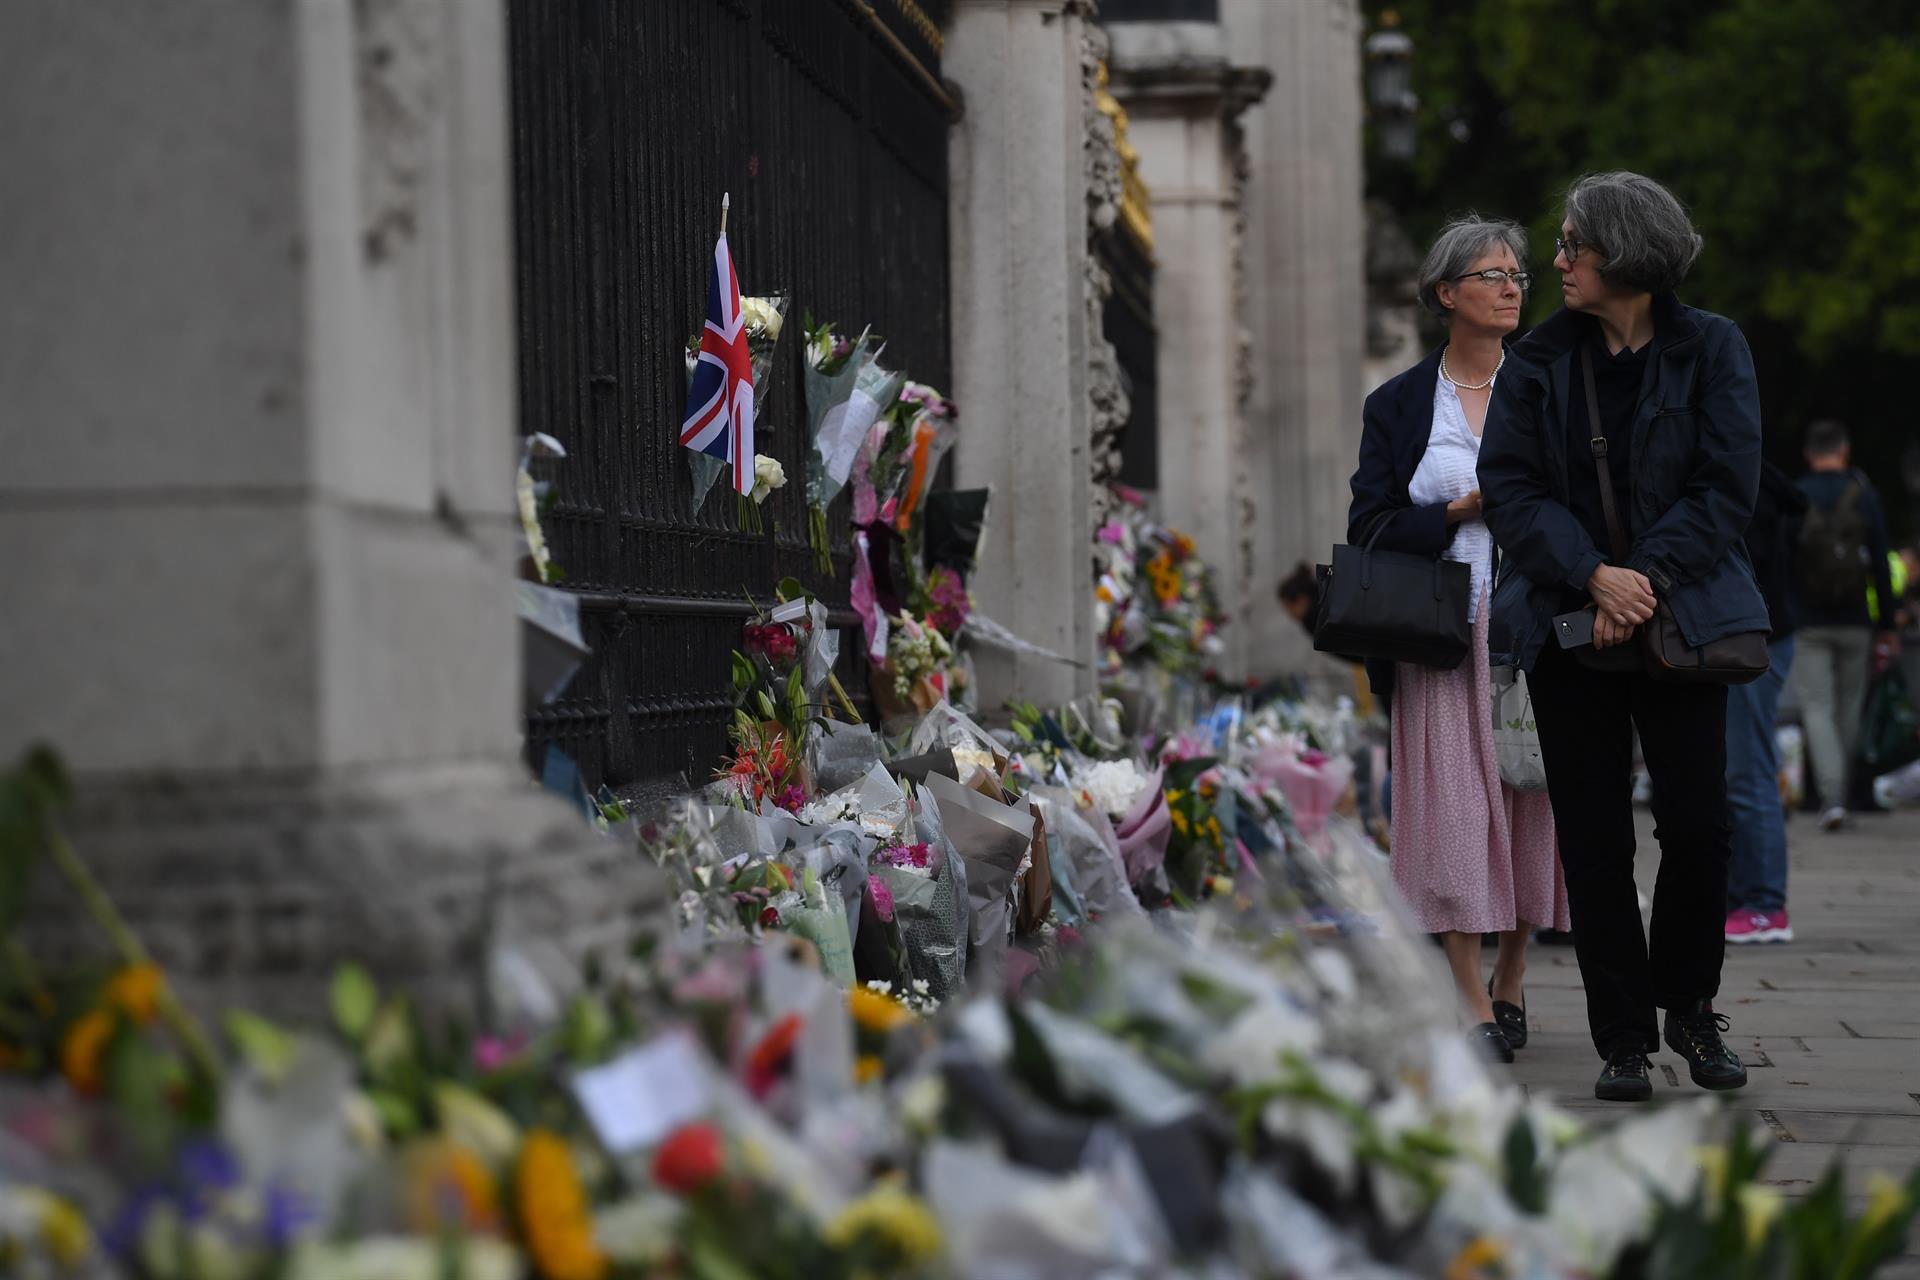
720, 401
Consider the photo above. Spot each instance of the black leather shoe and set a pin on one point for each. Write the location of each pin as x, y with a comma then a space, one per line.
1511, 1019
1694, 1034
1624, 1078
1492, 1041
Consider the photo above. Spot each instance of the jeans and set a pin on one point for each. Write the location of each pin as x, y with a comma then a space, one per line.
1830, 680
1757, 871
1587, 719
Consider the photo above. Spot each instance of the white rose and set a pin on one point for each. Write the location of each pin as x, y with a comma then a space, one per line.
768, 475
763, 314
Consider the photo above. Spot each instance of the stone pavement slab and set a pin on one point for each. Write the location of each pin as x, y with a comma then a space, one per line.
1829, 1024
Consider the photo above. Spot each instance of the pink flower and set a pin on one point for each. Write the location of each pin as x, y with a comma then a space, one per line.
882, 898
793, 798
490, 1053
1114, 532
888, 510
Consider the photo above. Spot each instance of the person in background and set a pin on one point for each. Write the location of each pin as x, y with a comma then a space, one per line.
1470, 856
1677, 411
1841, 554
1757, 869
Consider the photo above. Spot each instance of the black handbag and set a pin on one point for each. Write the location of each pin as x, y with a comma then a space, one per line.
1663, 652
1392, 605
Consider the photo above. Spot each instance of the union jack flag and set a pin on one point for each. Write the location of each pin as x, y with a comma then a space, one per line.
720, 402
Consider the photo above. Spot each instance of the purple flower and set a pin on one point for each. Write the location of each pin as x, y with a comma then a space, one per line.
286, 1214
490, 1053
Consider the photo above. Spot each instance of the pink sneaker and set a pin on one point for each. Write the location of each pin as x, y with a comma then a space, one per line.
1745, 927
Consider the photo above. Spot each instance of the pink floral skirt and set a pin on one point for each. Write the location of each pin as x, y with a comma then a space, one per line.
1470, 855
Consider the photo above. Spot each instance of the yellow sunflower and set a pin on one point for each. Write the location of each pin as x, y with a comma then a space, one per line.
873, 1011
554, 1217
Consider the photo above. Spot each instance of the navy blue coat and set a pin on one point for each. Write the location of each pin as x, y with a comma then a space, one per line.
1395, 426
1696, 474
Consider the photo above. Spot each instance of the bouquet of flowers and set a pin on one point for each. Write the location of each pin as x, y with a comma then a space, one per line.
847, 390
1153, 596
764, 320
895, 466
914, 676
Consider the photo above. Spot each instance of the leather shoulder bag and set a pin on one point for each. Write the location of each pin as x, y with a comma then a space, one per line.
1393, 605
1663, 651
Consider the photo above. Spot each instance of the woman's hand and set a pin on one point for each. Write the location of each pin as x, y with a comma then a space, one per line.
1607, 633
1464, 510
1623, 595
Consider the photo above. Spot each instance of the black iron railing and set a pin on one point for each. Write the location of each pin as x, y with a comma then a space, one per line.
629, 121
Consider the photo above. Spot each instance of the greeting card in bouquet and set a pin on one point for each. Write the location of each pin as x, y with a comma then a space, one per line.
646, 1093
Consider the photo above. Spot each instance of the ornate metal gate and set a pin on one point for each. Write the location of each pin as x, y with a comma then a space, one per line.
824, 120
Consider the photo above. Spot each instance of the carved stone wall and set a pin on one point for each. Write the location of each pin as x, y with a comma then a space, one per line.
1106, 394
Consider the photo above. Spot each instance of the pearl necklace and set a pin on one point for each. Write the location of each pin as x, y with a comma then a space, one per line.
1471, 386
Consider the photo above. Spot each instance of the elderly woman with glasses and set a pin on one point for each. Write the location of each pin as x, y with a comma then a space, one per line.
1658, 398
1470, 856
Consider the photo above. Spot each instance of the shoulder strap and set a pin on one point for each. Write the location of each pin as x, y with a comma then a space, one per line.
1598, 444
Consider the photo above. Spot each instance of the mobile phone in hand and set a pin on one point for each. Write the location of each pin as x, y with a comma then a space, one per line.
1574, 629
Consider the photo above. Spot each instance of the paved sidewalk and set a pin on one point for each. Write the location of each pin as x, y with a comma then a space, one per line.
1828, 1025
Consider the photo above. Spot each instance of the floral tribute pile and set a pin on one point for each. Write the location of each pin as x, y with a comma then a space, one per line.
1154, 601
1056, 1001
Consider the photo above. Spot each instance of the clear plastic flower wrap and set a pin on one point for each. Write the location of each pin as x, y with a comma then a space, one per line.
808, 912
1098, 876
843, 754
930, 910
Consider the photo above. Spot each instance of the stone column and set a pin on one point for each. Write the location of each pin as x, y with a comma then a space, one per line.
259, 366
1304, 259
1018, 176
1183, 99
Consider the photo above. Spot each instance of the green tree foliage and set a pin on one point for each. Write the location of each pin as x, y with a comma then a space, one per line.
1791, 128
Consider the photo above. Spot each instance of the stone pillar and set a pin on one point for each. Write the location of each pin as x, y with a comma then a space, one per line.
1304, 257
1019, 180
259, 431
1183, 99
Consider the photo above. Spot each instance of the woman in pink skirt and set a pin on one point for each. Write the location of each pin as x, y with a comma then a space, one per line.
1470, 855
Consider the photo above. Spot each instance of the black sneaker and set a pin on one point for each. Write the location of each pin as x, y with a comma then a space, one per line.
1492, 1041
1624, 1078
1694, 1034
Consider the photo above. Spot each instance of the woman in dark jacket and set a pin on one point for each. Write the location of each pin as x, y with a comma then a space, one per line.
1679, 425
1470, 856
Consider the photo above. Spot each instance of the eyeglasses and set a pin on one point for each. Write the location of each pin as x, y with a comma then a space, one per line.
1498, 278
1571, 247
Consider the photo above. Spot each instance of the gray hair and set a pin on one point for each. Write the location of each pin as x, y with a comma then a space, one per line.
1458, 246
1639, 232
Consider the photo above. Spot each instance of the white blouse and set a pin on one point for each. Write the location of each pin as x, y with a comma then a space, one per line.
1448, 471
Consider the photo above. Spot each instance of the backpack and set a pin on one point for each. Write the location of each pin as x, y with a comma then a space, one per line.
1831, 560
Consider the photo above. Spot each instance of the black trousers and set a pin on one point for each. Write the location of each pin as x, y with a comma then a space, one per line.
1586, 721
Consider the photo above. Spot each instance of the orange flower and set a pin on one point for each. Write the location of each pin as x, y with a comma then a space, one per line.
135, 991
771, 1054
867, 1068
448, 1188
83, 1048
552, 1205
